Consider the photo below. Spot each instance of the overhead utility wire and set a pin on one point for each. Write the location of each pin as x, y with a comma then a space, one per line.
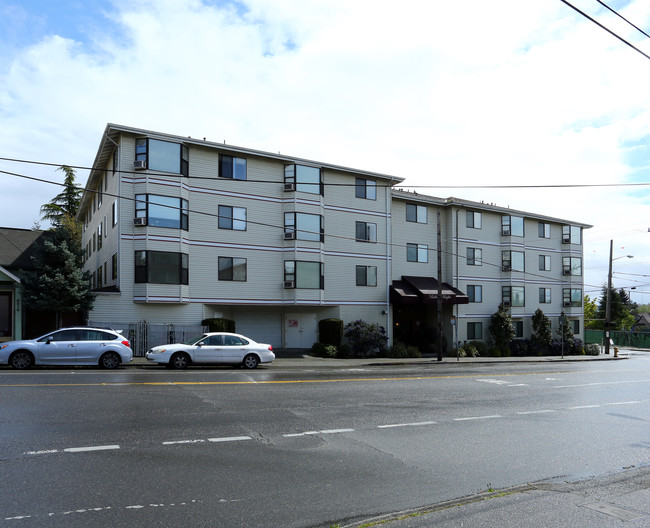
605, 28
397, 186
263, 224
621, 16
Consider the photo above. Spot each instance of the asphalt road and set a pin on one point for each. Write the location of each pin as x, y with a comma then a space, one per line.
303, 447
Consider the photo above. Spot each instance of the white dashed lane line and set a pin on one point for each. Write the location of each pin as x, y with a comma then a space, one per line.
414, 424
312, 433
489, 417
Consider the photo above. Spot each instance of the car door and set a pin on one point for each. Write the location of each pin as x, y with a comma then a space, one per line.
234, 348
92, 344
58, 348
209, 350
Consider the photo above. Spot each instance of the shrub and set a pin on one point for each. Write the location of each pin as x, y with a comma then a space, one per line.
401, 350
468, 349
592, 349
366, 339
330, 331
219, 324
345, 351
577, 348
522, 347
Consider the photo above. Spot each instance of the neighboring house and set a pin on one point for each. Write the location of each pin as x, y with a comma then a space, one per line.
16, 250
641, 323
177, 230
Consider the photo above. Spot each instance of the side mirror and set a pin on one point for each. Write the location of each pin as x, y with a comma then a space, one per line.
200, 343
49, 340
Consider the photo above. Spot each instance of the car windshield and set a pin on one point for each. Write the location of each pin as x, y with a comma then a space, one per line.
194, 340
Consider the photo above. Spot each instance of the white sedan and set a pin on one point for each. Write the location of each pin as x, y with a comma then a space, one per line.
214, 347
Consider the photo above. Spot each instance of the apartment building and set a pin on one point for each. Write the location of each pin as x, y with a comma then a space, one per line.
179, 229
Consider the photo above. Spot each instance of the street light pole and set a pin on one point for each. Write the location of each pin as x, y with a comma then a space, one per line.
608, 304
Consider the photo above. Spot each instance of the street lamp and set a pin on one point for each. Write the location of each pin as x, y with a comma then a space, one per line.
608, 305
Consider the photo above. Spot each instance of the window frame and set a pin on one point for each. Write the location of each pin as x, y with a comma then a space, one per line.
364, 276
568, 295
232, 170
421, 252
292, 177
543, 230
143, 153
367, 230
472, 335
571, 234
509, 294
418, 213
545, 296
476, 258
543, 260
475, 293
144, 203
292, 225
226, 214
222, 272
294, 275
473, 224
143, 272
365, 189
508, 228
572, 266
508, 263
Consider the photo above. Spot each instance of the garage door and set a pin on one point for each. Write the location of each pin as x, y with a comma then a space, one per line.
263, 327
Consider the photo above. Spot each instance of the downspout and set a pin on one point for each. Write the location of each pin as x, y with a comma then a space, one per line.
389, 259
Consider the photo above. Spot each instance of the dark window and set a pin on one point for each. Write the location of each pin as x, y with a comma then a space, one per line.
366, 275
416, 213
366, 189
545, 263
417, 253
366, 232
474, 219
545, 295
232, 269
519, 328
474, 257
232, 167
232, 218
475, 293
544, 230
162, 211
513, 295
114, 266
161, 267
474, 330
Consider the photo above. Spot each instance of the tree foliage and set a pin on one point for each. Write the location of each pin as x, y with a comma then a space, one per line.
591, 313
366, 339
501, 328
62, 210
542, 331
622, 310
565, 331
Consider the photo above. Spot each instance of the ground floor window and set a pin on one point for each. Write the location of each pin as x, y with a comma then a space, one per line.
474, 330
161, 267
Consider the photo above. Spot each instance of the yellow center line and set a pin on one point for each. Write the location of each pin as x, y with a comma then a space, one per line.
272, 382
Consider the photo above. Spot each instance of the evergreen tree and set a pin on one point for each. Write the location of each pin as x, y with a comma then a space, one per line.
565, 332
621, 309
64, 206
501, 328
542, 332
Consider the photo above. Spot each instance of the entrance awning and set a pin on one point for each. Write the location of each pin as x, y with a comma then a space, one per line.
424, 290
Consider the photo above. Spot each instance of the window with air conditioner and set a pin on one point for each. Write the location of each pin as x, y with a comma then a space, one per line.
304, 178
305, 274
163, 156
571, 234
304, 226
161, 211
513, 260
512, 226
572, 266
572, 297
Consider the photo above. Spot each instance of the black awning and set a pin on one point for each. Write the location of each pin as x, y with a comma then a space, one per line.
424, 290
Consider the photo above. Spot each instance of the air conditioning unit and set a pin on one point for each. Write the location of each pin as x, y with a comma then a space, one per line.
505, 232
140, 221
289, 284
566, 272
139, 165
566, 239
565, 303
506, 268
288, 187
506, 303
289, 235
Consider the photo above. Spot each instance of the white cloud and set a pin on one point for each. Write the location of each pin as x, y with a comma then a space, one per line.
465, 93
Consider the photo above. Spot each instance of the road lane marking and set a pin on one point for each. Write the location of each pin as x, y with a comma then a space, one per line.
583, 407
489, 417
312, 433
174, 442
90, 448
599, 383
538, 412
412, 424
624, 402
230, 439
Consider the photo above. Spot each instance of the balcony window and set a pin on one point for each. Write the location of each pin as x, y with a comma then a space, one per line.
163, 156
571, 266
162, 211
308, 275
161, 267
304, 226
304, 178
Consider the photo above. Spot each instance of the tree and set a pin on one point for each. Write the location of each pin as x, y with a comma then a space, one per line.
564, 331
64, 206
58, 283
591, 310
621, 308
542, 332
366, 339
501, 328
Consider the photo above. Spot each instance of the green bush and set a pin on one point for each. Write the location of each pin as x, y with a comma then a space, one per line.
592, 349
345, 351
401, 350
219, 324
366, 339
467, 350
330, 331
323, 350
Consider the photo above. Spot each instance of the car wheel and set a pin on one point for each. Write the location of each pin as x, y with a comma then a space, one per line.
110, 360
251, 361
21, 360
179, 361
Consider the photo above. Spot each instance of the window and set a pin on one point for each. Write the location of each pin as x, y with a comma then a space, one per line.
303, 178
114, 213
512, 260
161, 267
304, 226
305, 274
571, 266
417, 253
572, 297
366, 189
512, 296
512, 226
474, 257
474, 220
544, 230
545, 263
163, 156
232, 218
232, 269
474, 330
571, 234
366, 275
100, 194
519, 328
475, 293
366, 232
114, 266
99, 277
231, 167
162, 211
99, 236
576, 326
416, 213
544, 295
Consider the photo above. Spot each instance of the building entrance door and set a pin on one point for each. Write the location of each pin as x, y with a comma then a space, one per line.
300, 330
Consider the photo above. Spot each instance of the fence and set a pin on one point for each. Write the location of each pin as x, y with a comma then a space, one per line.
620, 338
143, 335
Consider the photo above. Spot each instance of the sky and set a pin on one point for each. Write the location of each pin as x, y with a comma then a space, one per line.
467, 94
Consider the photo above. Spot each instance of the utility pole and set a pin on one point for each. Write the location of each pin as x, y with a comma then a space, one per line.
439, 291
608, 304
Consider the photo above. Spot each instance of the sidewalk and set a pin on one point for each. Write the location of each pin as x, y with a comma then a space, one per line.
600, 502
307, 361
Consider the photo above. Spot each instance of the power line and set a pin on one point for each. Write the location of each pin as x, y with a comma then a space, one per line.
621, 16
605, 28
